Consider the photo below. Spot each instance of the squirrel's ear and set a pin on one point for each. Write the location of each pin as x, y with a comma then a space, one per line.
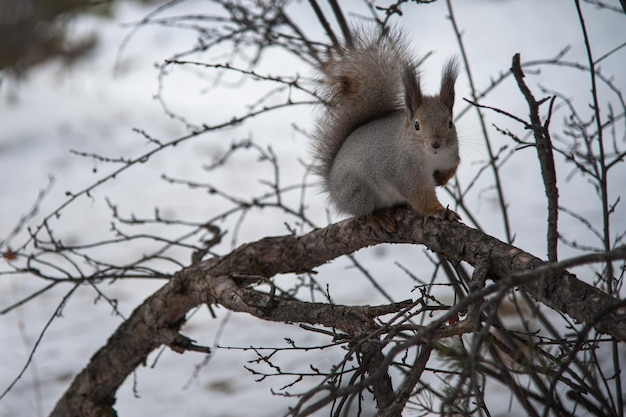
412, 93
448, 78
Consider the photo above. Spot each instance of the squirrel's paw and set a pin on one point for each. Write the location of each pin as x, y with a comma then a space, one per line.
447, 214
382, 221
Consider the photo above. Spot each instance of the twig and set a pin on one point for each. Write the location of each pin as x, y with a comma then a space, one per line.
546, 157
492, 160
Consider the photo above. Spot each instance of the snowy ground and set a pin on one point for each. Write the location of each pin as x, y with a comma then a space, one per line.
90, 108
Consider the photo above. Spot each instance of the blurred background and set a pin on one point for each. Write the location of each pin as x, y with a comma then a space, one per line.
85, 88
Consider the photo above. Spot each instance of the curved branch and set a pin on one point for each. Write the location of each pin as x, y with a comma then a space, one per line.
220, 280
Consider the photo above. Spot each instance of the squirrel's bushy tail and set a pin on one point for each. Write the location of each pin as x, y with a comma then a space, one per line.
361, 80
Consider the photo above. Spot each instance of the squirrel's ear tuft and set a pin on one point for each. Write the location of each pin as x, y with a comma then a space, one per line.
448, 78
412, 93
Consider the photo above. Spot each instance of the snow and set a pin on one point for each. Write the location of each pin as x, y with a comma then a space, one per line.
92, 108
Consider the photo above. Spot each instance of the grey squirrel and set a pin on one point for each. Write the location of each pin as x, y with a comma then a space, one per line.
380, 142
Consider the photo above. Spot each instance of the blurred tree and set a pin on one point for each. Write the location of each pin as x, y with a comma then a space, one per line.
34, 31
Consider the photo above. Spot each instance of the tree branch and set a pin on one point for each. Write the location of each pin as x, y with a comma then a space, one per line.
543, 143
219, 280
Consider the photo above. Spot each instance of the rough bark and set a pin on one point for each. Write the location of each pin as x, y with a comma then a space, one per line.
220, 281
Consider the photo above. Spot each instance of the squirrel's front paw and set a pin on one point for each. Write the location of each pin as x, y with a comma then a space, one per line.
447, 214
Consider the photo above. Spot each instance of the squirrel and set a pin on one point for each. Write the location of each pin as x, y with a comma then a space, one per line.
380, 142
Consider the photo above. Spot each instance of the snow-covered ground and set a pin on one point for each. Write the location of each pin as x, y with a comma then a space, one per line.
92, 108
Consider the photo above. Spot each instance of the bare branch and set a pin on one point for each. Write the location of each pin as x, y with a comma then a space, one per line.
156, 321
546, 157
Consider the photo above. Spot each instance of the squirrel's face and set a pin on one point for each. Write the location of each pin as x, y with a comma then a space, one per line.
432, 126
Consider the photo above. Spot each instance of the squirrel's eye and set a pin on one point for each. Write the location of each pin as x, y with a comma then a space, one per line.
417, 125
450, 124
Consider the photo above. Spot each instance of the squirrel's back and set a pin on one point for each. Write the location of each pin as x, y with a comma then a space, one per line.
360, 81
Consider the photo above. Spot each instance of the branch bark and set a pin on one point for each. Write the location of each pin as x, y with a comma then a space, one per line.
220, 280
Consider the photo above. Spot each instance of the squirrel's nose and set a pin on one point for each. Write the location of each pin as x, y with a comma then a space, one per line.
436, 144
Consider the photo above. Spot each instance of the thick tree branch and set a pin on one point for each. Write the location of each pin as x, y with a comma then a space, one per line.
373, 362
220, 280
